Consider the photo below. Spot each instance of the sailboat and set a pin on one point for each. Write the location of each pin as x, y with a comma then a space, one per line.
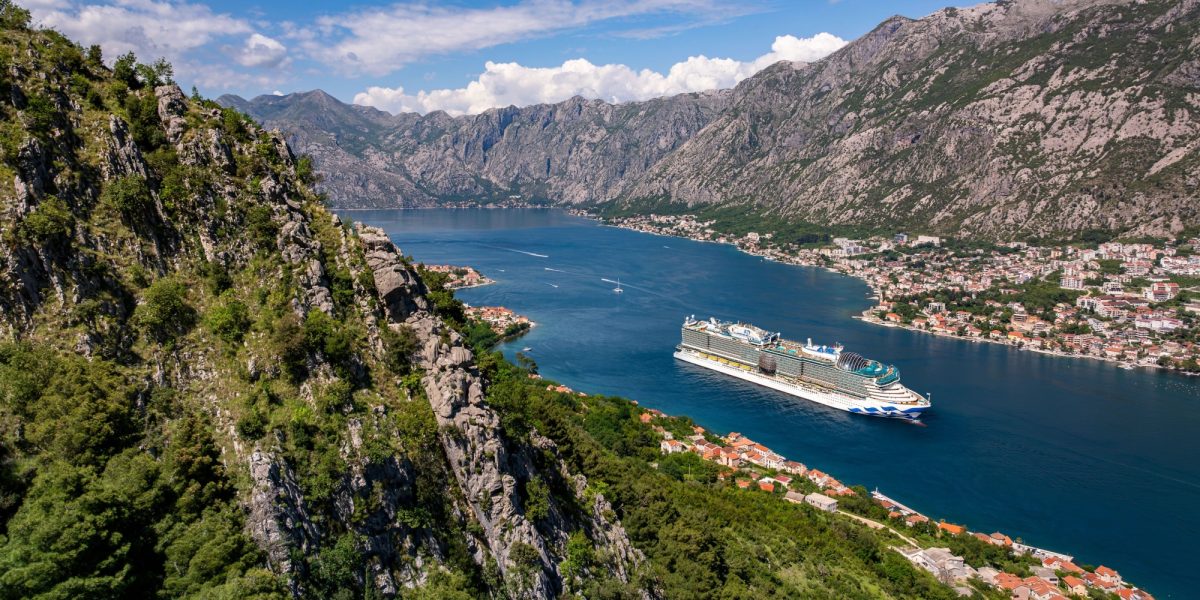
618, 288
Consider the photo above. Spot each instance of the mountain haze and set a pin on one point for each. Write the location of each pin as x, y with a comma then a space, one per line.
1016, 118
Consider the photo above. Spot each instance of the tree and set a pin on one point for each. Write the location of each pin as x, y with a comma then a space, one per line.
229, 321
164, 313
124, 70
13, 16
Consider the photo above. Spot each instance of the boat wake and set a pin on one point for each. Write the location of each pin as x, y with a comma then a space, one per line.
552, 285
555, 270
528, 253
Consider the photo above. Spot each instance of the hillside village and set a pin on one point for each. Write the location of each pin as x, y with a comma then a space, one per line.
1048, 575
1137, 303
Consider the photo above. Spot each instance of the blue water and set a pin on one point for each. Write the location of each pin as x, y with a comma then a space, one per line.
1068, 454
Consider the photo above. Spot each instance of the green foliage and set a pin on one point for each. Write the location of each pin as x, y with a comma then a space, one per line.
109, 508
288, 344
261, 227
160, 72
144, 123
305, 171
229, 320
444, 302
164, 313
40, 116
51, 220
129, 196
399, 346
537, 499
330, 337
124, 70
13, 17
703, 540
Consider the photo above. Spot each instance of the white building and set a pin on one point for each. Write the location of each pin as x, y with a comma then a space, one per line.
821, 501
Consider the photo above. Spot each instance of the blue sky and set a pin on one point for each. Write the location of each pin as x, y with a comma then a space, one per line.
468, 56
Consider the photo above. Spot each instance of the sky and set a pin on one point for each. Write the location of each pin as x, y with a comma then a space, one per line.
468, 56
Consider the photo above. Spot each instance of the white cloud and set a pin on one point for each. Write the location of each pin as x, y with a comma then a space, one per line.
261, 51
381, 40
149, 28
502, 84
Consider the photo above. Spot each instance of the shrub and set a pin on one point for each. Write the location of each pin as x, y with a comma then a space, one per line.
229, 321
50, 220
164, 314
144, 124
124, 70
13, 16
261, 227
129, 196
287, 343
399, 346
252, 424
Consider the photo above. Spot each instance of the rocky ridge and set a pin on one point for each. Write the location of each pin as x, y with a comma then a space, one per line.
137, 219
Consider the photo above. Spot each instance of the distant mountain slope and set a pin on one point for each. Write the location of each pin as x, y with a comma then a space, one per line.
1020, 118
573, 151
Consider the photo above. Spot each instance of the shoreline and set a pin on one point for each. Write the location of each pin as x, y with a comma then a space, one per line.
866, 317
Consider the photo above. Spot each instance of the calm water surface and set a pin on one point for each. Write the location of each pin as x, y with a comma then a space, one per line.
1068, 454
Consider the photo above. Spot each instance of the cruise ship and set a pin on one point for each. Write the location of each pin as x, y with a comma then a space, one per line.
824, 374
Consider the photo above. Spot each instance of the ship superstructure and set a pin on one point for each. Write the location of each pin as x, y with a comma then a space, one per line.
825, 374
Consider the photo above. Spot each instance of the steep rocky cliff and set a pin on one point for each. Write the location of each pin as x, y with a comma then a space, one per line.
1017, 118
215, 349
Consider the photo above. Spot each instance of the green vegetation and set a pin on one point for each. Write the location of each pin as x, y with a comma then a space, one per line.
84, 499
704, 538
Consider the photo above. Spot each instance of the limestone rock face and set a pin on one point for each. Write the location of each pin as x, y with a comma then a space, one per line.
1024, 118
399, 287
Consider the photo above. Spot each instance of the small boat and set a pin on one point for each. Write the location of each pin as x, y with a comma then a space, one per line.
526, 349
618, 288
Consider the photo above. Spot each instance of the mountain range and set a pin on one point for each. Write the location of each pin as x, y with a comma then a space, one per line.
1013, 119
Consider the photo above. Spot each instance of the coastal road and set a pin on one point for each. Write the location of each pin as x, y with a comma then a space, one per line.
878, 525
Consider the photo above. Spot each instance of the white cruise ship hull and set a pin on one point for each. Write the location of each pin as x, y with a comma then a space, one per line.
812, 393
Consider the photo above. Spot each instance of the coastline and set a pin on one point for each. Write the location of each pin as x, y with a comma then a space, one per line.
876, 293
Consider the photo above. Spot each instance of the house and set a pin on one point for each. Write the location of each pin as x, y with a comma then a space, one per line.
951, 528
1046, 573
1008, 581
987, 575
1074, 585
794, 468
743, 484
821, 501
794, 497
939, 561
1040, 589
1059, 564
1096, 581
914, 519
1108, 575
671, 446
766, 486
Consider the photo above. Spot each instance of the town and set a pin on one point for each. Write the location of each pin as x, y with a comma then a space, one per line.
1042, 574
502, 321
1134, 303
460, 277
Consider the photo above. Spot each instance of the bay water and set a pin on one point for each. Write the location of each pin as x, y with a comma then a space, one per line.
1074, 455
